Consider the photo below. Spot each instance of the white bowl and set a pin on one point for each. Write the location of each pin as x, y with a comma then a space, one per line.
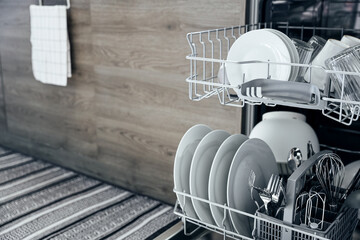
283, 131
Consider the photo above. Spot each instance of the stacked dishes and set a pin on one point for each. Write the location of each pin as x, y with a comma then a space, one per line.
200, 171
261, 45
219, 175
183, 159
215, 166
255, 155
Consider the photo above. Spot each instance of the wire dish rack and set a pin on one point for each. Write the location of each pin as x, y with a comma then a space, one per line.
284, 227
209, 51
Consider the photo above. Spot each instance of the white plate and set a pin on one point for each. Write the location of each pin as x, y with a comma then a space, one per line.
350, 171
293, 52
219, 175
183, 158
200, 171
261, 45
254, 154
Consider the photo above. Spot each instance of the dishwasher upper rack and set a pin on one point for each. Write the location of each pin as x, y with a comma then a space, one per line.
209, 50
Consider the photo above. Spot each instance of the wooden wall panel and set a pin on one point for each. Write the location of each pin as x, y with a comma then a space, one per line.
3, 123
126, 107
60, 118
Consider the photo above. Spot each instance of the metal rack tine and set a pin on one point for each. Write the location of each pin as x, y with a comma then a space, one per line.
186, 233
184, 199
223, 222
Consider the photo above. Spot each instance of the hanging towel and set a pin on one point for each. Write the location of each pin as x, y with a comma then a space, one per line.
50, 48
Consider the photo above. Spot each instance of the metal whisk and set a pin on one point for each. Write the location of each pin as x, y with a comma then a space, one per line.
330, 172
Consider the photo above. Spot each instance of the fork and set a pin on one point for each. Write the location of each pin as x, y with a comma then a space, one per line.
272, 191
266, 194
276, 197
252, 178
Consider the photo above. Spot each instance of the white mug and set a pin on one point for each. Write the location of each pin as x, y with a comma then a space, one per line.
350, 40
318, 76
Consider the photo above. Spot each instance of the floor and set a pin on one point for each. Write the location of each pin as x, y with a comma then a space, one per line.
39, 200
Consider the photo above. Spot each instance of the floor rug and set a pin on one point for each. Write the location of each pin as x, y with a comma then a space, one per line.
39, 200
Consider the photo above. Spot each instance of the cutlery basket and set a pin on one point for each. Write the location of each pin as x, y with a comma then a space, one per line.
341, 228
338, 226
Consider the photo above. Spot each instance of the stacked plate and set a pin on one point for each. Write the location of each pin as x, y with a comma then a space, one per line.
214, 165
261, 45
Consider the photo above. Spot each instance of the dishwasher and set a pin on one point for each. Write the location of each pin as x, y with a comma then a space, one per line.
328, 114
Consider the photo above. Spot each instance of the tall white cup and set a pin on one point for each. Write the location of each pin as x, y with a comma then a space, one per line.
350, 40
318, 76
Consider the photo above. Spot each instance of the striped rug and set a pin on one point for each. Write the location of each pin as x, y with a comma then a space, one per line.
41, 201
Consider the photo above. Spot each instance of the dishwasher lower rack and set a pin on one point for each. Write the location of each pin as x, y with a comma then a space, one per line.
270, 228
209, 50
289, 227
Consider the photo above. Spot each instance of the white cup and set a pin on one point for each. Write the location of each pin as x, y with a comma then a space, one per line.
350, 40
318, 76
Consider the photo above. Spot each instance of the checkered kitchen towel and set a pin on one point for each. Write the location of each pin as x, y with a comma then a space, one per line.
50, 48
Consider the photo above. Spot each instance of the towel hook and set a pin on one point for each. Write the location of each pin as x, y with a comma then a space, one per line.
67, 3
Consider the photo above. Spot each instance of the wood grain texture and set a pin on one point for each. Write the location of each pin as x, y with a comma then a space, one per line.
126, 107
56, 117
3, 122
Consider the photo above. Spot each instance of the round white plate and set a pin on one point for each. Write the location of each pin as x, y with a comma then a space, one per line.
200, 171
350, 171
219, 175
183, 158
254, 154
260, 45
293, 52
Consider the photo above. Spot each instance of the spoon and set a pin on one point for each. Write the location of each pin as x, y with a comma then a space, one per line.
310, 150
352, 201
294, 159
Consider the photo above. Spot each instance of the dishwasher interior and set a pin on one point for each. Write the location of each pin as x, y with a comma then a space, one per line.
339, 134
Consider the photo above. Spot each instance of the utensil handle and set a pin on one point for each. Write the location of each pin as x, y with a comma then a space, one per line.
353, 184
282, 90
